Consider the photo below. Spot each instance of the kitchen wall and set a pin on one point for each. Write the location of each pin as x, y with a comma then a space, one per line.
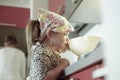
109, 31
35, 5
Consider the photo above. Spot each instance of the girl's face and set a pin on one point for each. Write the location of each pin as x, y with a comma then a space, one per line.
59, 40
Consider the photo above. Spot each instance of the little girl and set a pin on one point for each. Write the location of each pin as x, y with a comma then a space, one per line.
50, 36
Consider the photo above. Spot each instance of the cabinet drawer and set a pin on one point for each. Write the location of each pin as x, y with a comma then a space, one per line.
86, 74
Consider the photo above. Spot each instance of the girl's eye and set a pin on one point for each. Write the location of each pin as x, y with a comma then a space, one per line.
65, 34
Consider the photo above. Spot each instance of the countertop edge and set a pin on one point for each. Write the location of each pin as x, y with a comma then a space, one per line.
95, 56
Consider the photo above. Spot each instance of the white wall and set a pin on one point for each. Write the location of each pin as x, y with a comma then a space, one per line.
35, 5
109, 31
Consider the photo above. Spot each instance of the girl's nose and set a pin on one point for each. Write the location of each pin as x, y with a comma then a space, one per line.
65, 42
65, 39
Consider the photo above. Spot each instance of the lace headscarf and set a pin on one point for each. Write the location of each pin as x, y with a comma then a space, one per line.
53, 21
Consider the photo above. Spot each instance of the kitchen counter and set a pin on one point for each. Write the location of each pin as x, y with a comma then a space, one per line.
90, 59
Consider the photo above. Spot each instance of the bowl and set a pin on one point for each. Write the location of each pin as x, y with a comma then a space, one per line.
84, 44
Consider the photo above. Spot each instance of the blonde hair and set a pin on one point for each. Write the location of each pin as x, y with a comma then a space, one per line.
32, 34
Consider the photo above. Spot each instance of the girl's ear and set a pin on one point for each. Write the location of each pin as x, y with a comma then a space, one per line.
49, 33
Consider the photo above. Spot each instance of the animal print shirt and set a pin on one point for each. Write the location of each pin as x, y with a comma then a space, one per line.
43, 60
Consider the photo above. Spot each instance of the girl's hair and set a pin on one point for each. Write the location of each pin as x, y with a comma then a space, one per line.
32, 34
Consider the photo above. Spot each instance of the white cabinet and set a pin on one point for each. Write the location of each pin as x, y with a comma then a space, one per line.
70, 7
87, 12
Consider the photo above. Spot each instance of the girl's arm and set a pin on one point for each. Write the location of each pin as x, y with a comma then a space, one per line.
54, 73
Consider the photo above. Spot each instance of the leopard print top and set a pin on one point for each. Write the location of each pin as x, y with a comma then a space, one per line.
42, 61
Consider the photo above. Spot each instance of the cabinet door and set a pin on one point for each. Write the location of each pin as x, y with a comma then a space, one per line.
88, 12
56, 6
14, 17
98, 66
70, 7
86, 74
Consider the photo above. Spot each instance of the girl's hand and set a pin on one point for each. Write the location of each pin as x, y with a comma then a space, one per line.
64, 62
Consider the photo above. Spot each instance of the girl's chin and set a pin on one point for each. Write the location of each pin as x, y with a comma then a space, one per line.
63, 50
